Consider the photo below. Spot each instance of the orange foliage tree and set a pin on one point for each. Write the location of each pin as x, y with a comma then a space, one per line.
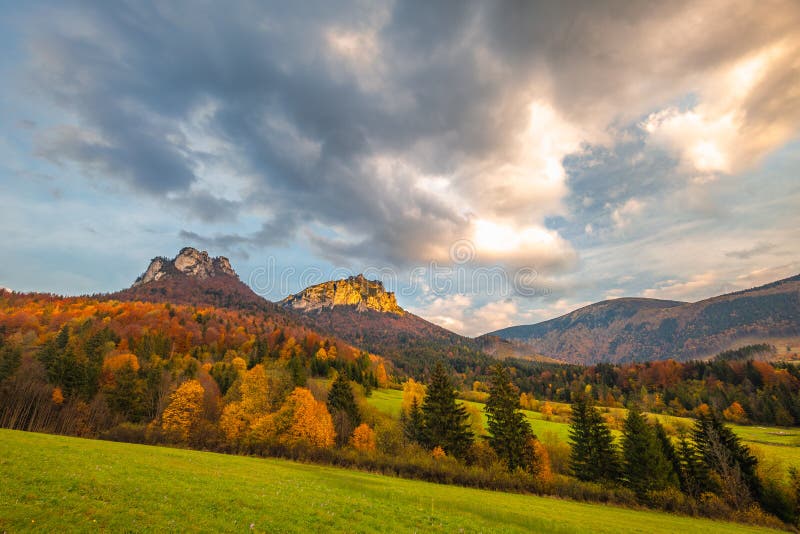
311, 421
734, 413
115, 362
185, 409
381, 376
363, 438
541, 465
254, 403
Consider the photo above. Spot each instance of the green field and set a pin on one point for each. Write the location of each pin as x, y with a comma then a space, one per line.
388, 401
58, 484
775, 443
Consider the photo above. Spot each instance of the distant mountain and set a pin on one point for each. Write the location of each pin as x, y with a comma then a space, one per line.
193, 277
363, 313
637, 329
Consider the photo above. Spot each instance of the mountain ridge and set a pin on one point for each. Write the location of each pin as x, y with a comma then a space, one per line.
638, 329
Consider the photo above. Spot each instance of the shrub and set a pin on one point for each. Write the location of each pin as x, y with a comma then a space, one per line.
126, 433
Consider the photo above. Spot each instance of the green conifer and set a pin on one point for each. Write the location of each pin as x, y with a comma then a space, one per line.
510, 433
446, 422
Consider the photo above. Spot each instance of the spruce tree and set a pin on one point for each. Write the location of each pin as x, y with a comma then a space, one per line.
606, 465
723, 453
593, 455
693, 474
510, 433
580, 440
668, 449
344, 410
644, 466
446, 422
413, 424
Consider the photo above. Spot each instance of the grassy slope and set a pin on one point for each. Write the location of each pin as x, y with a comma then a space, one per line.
780, 444
54, 483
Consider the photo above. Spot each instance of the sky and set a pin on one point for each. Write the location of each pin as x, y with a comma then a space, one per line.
494, 163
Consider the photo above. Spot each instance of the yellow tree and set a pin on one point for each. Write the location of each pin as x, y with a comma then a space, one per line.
311, 421
185, 409
255, 403
363, 438
239, 364
255, 391
381, 376
233, 421
412, 390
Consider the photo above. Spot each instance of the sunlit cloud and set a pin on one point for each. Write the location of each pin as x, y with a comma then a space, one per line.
646, 149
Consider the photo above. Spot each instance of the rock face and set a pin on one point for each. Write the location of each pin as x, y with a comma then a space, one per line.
355, 291
189, 262
196, 279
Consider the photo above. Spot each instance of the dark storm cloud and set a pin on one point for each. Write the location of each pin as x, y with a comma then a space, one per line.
209, 208
316, 135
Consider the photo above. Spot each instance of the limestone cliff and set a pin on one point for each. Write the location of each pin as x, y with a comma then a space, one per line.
189, 262
354, 291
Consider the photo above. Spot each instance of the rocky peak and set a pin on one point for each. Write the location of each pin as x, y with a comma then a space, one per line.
353, 291
189, 262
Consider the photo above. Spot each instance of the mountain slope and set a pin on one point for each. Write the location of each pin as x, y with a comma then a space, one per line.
636, 329
355, 310
193, 277
363, 313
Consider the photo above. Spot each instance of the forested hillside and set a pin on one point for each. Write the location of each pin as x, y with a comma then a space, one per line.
634, 330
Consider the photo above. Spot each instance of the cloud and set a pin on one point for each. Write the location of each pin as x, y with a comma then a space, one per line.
699, 284
624, 214
570, 138
520, 246
755, 250
468, 316
740, 115
712, 283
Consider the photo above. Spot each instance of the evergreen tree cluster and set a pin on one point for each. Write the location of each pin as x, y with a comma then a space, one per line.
440, 421
593, 456
712, 459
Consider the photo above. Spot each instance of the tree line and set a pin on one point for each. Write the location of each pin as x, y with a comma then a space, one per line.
761, 392
710, 464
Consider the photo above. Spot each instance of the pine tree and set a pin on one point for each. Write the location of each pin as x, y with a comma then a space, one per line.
343, 408
413, 423
644, 466
446, 423
669, 452
593, 456
580, 440
693, 474
723, 453
510, 433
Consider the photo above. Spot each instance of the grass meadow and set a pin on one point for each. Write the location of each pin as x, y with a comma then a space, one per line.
777, 445
64, 484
